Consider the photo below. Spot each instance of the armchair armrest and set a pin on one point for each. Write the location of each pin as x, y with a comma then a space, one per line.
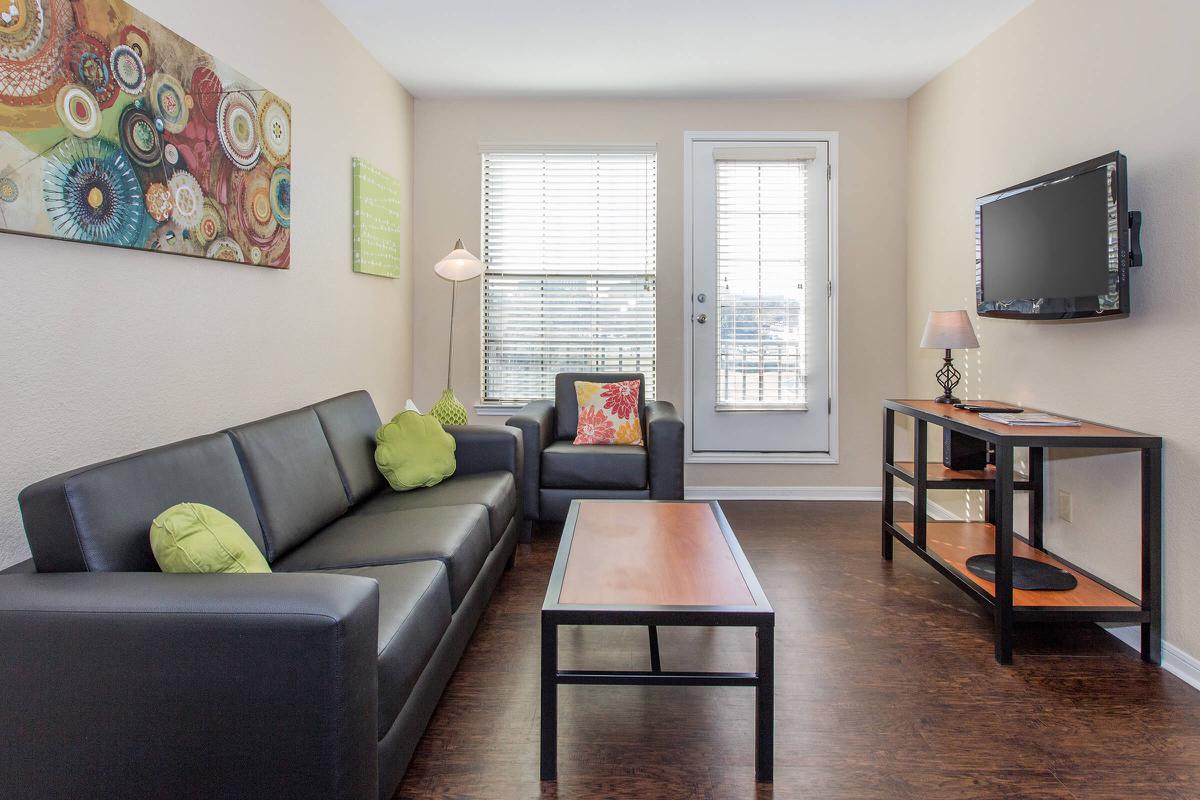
536, 423
664, 448
490, 448
153, 685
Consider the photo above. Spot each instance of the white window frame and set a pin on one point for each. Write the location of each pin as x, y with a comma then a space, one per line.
783, 137
484, 408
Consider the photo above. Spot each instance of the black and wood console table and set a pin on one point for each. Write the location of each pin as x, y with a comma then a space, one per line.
947, 545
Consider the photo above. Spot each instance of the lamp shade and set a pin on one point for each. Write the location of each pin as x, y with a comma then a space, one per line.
459, 264
949, 330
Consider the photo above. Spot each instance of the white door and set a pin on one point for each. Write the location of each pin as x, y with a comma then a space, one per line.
761, 297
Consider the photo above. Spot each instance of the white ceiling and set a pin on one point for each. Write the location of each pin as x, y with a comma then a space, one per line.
669, 48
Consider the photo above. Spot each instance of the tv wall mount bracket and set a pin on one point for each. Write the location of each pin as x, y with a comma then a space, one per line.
1135, 238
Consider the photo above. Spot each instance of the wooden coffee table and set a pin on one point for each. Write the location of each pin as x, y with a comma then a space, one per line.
647, 562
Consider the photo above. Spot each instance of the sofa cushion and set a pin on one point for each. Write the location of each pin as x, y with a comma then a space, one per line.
350, 422
566, 403
497, 491
455, 535
97, 518
414, 613
593, 466
293, 478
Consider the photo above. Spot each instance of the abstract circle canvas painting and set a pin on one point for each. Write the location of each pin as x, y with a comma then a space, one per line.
115, 130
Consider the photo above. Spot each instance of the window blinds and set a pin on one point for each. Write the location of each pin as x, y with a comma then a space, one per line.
569, 239
761, 281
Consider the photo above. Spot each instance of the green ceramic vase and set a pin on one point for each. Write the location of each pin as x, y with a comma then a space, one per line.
448, 410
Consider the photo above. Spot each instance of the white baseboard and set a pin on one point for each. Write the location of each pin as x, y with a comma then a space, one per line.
859, 493
826, 493
1174, 660
939, 513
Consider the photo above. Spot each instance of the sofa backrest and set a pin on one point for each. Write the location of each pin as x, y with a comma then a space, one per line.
566, 404
293, 477
350, 423
97, 518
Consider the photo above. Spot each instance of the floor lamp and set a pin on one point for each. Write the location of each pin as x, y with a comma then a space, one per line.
459, 265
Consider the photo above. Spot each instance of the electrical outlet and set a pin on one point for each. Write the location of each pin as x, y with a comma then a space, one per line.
1064, 505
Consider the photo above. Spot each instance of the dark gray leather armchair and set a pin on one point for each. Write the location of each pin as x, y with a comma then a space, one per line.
558, 471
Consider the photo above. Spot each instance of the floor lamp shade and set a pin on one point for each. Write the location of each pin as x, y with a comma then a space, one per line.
459, 264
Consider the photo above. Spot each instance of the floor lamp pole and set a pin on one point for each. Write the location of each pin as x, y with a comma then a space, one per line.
450, 350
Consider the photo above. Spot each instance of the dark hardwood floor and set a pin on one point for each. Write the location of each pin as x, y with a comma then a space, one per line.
885, 688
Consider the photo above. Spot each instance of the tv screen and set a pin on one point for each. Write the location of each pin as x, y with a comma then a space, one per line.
1054, 247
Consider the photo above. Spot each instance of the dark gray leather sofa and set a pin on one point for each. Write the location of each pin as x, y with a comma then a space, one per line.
558, 471
316, 681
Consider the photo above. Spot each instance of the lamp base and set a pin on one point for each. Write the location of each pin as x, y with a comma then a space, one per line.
947, 399
448, 410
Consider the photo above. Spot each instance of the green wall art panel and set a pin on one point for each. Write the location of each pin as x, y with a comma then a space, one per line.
376, 221
115, 130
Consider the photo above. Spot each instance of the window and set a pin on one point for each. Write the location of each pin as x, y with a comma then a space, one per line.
760, 271
569, 238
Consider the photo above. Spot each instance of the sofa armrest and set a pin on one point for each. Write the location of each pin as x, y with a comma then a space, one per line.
153, 685
536, 423
490, 448
486, 448
664, 446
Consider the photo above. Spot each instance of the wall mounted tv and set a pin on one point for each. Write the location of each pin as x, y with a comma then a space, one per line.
1059, 246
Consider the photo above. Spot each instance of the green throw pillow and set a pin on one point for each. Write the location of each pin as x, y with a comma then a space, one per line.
413, 450
191, 537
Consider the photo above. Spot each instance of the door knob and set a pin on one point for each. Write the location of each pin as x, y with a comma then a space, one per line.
702, 318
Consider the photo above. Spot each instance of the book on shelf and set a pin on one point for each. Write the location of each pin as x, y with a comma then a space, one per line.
1033, 418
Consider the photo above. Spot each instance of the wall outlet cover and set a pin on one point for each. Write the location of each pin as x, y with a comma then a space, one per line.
1064, 505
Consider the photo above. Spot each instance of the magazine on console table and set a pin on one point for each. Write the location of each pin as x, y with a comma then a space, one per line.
1033, 418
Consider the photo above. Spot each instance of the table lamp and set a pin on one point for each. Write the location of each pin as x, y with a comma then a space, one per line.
458, 265
948, 330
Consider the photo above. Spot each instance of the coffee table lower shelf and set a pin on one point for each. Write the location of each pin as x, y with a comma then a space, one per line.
948, 545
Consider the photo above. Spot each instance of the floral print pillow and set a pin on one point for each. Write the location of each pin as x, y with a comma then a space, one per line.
608, 413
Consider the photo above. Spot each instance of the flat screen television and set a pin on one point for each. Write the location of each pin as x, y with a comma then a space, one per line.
1059, 246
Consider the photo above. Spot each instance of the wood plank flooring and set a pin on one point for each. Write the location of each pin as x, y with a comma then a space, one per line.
885, 688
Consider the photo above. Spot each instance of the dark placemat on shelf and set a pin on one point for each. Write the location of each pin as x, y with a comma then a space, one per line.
1027, 574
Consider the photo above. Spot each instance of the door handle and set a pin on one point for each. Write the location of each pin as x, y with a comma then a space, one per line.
701, 318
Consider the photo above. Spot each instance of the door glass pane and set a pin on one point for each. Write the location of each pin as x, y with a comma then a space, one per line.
761, 247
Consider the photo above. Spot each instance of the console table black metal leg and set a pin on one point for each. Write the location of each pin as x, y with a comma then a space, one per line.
1037, 479
920, 481
655, 659
764, 705
549, 699
889, 480
1152, 554
1002, 510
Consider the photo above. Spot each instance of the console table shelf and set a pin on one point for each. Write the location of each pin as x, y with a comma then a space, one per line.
954, 542
939, 476
946, 546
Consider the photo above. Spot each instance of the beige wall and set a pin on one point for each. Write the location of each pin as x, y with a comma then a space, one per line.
1064, 81
872, 141
107, 351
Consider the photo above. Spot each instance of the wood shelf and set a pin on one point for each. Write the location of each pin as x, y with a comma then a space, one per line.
936, 472
1086, 434
954, 542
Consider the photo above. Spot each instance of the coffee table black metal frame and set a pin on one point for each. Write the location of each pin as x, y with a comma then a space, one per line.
759, 616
